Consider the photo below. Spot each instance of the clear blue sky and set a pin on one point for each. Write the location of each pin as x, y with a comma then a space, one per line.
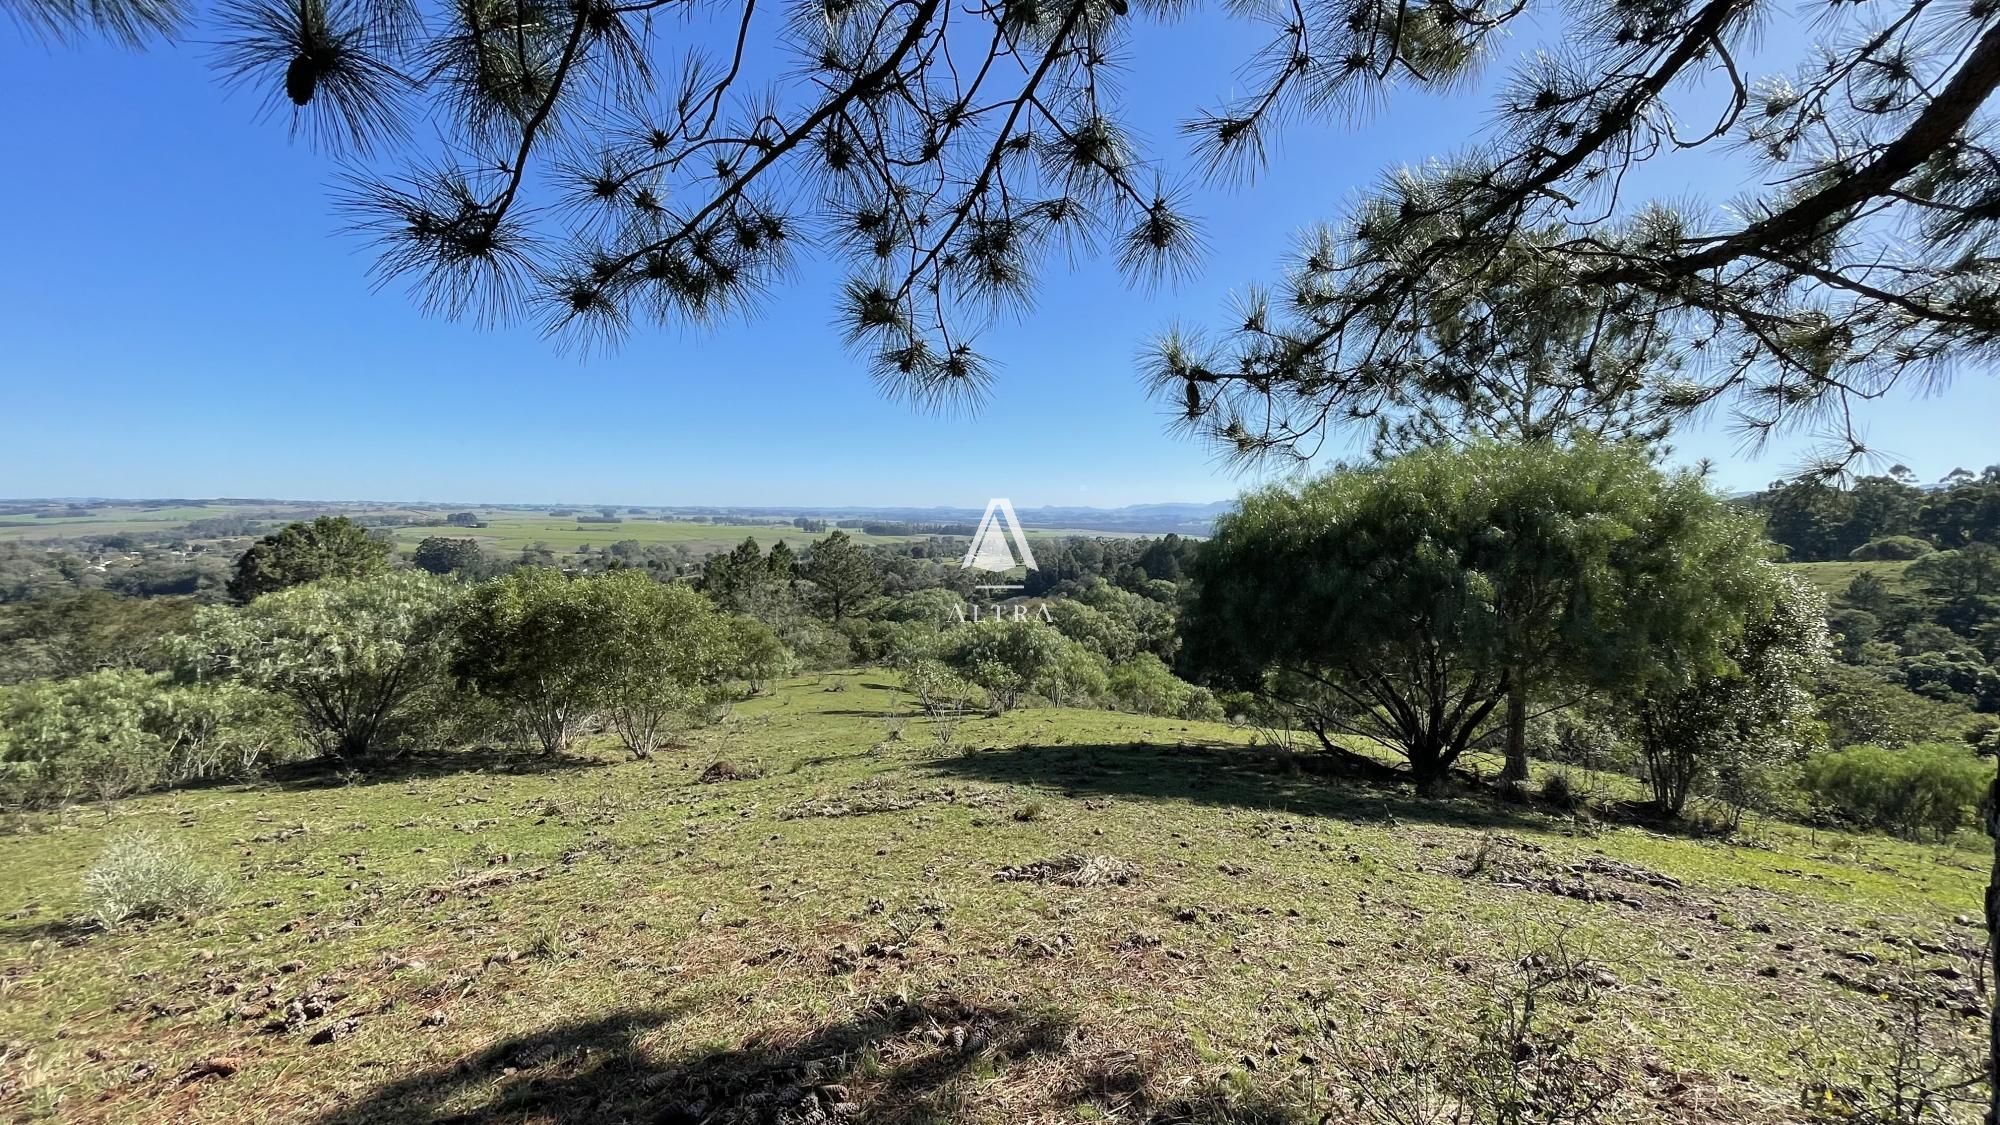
179, 317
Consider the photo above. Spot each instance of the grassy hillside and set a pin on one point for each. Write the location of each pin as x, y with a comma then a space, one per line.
1833, 577
863, 923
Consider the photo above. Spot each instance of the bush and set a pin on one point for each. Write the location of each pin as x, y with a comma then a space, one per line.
939, 690
1587, 735
1144, 685
1012, 657
113, 733
1557, 791
761, 657
1861, 707
1929, 789
1895, 548
66, 740
144, 876
222, 730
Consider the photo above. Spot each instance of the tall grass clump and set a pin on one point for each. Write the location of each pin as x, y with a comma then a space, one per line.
144, 876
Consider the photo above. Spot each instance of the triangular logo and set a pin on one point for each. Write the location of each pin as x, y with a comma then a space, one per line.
991, 549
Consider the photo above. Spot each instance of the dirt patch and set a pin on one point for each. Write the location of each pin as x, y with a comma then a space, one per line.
729, 771
483, 881
1517, 864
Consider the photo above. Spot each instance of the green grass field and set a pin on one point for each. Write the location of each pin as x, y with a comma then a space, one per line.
497, 937
508, 533
1832, 577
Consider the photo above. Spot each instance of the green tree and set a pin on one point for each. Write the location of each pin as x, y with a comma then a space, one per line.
1859, 706
1145, 685
669, 656
1010, 658
737, 581
1107, 634
1925, 790
761, 658
782, 562
69, 634
1404, 603
842, 574
536, 642
439, 555
351, 653
1740, 732
300, 552
1964, 584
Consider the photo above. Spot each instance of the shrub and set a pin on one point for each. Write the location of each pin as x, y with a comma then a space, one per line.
113, 733
1003, 685
939, 690
1891, 548
1556, 790
222, 730
670, 653
532, 641
1862, 707
1144, 685
144, 876
1929, 789
1589, 734
66, 740
761, 657
1738, 734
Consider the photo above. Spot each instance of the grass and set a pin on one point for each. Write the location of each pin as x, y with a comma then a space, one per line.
495, 937
505, 531
1832, 577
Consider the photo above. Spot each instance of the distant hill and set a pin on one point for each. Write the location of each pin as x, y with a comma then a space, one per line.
1133, 519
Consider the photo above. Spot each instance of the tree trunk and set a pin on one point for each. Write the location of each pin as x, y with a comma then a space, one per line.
1428, 770
1516, 768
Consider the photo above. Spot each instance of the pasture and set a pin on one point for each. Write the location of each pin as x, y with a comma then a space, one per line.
1065, 916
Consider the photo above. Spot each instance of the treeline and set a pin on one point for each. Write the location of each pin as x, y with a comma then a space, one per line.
1934, 627
328, 648
1564, 602
1881, 517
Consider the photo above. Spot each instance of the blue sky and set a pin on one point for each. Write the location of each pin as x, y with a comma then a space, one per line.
179, 317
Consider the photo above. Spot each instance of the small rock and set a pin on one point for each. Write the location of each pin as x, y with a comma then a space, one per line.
338, 1029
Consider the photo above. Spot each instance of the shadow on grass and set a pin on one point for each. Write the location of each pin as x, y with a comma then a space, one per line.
1238, 776
331, 773
896, 1062
62, 931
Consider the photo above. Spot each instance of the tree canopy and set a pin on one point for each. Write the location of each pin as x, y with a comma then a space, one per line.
301, 552
1406, 602
351, 653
